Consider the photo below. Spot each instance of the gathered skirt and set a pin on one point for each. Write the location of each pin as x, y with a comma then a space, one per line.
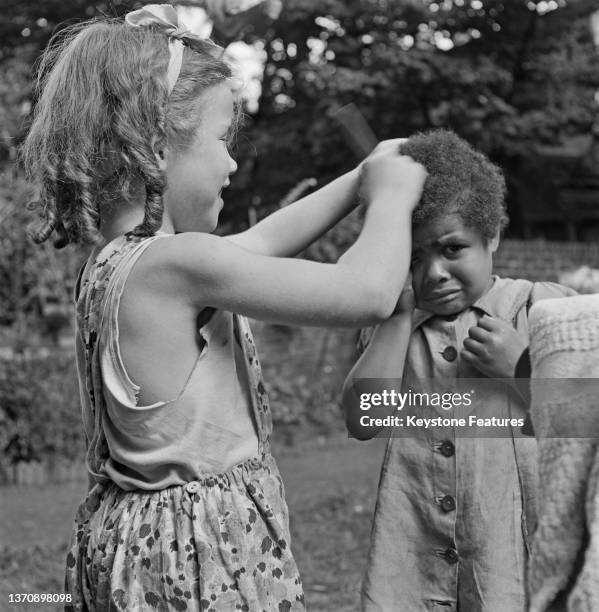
216, 544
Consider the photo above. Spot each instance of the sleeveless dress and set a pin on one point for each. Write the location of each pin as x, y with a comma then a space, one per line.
207, 541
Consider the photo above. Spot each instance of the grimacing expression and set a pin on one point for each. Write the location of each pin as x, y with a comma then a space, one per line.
451, 265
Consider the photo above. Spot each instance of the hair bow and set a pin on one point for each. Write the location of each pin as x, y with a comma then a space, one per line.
167, 18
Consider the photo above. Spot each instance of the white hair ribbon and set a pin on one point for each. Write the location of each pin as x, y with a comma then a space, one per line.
166, 17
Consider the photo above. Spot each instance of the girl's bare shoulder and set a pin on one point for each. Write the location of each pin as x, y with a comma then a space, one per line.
174, 261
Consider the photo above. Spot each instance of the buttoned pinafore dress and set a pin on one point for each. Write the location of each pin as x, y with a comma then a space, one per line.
454, 514
212, 542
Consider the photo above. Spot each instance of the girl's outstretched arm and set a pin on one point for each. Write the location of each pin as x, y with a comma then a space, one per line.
382, 360
288, 231
361, 288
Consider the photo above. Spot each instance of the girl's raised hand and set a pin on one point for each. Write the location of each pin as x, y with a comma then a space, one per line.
386, 147
393, 177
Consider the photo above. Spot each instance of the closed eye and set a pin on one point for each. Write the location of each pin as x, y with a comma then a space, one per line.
229, 135
453, 250
228, 142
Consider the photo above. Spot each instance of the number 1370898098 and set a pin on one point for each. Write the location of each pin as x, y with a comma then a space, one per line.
17, 598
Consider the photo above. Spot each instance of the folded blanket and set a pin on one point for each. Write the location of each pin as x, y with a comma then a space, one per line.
564, 345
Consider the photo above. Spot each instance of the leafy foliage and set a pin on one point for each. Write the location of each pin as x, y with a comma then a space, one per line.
39, 409
36, 281
504, 75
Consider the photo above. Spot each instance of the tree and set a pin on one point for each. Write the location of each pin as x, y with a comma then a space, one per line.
505, 74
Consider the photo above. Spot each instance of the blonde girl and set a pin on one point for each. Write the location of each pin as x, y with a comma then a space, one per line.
130, 147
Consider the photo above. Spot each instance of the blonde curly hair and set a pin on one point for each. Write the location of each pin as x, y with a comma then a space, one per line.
103, 107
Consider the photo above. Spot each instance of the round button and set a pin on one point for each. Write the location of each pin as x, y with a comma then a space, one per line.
447, 448
448, 503
192, 487
450, 353
451, 556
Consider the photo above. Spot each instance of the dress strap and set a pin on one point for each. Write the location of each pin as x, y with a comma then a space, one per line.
94, 293
258, 394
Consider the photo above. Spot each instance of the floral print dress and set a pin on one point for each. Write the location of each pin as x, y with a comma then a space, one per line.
217, 543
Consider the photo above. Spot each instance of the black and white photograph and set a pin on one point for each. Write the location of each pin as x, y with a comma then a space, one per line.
299, 306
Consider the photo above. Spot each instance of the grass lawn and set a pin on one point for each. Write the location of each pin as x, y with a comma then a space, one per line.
330, 486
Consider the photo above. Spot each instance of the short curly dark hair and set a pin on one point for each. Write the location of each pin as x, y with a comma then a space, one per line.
460, 179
